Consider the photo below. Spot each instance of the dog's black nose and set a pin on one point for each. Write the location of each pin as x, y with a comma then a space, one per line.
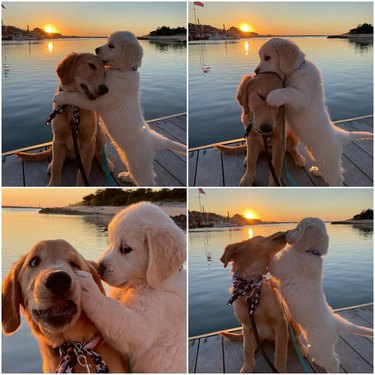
97, 50
257, 71
58, 282
101, 268
266, 128
103, 89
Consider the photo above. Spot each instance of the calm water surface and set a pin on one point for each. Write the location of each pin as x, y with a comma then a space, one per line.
348, 270
22, 229
30, 81
214, 115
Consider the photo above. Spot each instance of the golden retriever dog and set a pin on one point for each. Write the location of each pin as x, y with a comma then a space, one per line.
306, 112
251, 95
250, 259
121, 110
45, 285
299, 272
83, 73
146, 318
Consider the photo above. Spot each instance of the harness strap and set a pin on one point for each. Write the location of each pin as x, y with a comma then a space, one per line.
266, 141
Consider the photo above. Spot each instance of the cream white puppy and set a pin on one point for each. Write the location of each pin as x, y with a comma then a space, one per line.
299, 270
306, 113
121, 110
146, 316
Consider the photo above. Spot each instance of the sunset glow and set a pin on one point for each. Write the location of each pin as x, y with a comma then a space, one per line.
246, 28
249, 214
49, 29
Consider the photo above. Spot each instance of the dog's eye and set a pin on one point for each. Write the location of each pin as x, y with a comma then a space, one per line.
34, 262
267, 58
110, 45
125, 249
73, 264
92, 66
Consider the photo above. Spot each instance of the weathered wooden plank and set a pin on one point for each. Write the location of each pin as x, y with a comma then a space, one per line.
163, 177
210, 355
368, 120
193, 158
366, 145
233, 167
36, 172
209, 168
350, 360
179, 121
353, 176
300, 175
360, 158
12, 171
233, 355
169, 130
193, 353
173, 164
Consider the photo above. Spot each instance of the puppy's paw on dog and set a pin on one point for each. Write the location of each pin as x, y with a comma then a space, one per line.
276, 98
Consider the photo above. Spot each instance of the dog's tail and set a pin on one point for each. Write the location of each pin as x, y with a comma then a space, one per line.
162, 143
344, 326
38, 156
232, 336
234, 150
345, 136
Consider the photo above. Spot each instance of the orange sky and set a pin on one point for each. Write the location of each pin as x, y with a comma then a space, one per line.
285, 204
286, 18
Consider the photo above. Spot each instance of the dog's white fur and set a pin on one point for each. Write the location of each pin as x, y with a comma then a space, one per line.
121, 110
148, 319
306, 113
300, 276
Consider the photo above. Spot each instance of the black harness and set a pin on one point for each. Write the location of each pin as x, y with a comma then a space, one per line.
251, 291
74, 127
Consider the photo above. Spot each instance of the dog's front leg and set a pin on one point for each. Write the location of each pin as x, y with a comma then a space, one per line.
58, 158
288, 96
281, 346
249, 345
253, 151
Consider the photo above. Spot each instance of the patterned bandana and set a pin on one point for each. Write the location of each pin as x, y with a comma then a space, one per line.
73, 353
250, 289
59, 110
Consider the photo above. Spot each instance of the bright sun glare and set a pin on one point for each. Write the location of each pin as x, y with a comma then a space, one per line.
49, 29
245, 28
249, 214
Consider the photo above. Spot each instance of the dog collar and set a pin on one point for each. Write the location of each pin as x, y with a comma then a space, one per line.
313, 252
243, 287
73, 353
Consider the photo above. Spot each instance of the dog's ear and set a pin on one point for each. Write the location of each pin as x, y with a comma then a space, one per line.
293, 236
93, 269
12, 299
64, 69
230, 254
289, 54
166, 252
132, 54
243, 91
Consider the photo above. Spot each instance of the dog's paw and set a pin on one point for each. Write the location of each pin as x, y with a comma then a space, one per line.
247, 368
246, 180
125, 176
60, 98
315, 171
299, 160
91, 295
276, 98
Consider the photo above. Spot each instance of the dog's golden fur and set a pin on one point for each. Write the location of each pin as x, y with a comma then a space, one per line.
250, 259
84, 73
25, 287
251, 95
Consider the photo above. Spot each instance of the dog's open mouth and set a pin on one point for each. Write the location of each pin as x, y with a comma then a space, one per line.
59, 314
87, 91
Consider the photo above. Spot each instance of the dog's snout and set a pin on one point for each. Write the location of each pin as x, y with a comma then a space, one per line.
58, 282
101, 268
103, 89
266, 128
97, 50
257, 71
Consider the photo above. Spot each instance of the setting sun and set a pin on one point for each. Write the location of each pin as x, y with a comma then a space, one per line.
249, 214
49, 29
246, 28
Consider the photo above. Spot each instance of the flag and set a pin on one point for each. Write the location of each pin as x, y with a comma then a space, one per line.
201, 191
198, 4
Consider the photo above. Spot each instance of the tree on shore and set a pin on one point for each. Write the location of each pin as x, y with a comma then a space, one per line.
365, 28
166, 31
364, 215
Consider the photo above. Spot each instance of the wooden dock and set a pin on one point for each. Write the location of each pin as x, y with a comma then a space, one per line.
211, 353
209, 167
169, 166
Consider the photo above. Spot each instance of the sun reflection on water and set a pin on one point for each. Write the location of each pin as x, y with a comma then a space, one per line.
246, 46
50, 47
250, 232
